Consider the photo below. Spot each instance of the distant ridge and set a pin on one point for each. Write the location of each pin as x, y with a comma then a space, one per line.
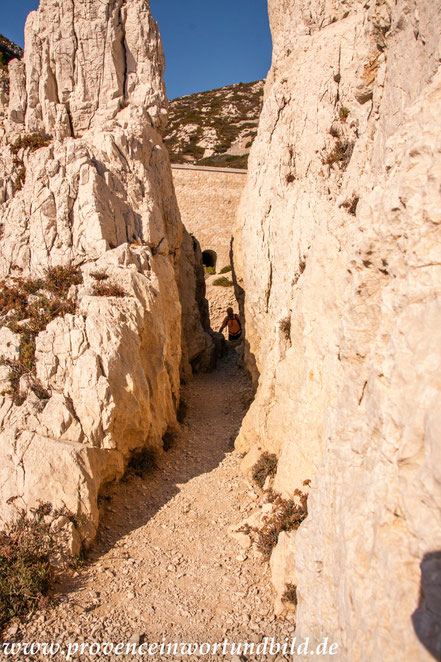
216, 127
8, 51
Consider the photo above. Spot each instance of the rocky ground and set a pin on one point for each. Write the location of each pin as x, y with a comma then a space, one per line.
165, 566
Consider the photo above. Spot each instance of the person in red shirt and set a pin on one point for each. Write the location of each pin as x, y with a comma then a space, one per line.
234, 325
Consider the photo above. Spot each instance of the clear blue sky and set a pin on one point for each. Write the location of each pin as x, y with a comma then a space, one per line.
207, 43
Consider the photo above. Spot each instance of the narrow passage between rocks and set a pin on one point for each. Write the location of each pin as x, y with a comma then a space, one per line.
164, 565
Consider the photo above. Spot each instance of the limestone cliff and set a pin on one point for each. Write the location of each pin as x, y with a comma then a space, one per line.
339, 256
96, 325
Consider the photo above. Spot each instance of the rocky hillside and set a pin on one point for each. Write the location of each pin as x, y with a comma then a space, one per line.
215, 128
340, 265
8, 51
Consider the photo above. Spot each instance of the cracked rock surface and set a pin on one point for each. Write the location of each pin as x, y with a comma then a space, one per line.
85, 182
339, 256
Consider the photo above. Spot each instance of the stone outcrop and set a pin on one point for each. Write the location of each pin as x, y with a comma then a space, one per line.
84, 62
339, 257
85, 182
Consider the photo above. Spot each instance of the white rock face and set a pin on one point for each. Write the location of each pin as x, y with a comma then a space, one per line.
343, 315
84, 61
99, 196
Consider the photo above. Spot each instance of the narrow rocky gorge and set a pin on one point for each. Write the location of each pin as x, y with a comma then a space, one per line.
336, 263
164, 566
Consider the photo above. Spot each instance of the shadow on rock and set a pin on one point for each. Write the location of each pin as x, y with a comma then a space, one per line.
426, 618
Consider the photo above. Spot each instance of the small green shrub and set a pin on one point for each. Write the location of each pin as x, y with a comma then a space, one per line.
32, 286
226, 269
225, 161
108, 290
209, 271
26, 571
223, 282
13, 298
265, 466
193, 149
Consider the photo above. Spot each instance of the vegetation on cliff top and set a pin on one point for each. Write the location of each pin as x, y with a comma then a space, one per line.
8, 51
215, 128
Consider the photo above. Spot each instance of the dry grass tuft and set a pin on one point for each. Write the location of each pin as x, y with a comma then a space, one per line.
28, 317
99, 276
340, 154
343, 113
26, 570
290, 594
31, 141
287, 516
285, 327
351, 205
108, 290
223, 282
265, 466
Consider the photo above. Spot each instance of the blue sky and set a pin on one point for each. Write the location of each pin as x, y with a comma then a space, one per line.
207, 43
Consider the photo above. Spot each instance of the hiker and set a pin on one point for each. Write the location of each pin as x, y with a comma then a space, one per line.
234, 325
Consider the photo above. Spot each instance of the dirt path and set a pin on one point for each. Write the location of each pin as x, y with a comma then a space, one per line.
164, 566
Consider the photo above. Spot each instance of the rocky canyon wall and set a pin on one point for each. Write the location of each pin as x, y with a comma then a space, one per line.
100, 316
339, 254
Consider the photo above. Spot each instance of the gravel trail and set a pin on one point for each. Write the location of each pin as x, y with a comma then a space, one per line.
164, 568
